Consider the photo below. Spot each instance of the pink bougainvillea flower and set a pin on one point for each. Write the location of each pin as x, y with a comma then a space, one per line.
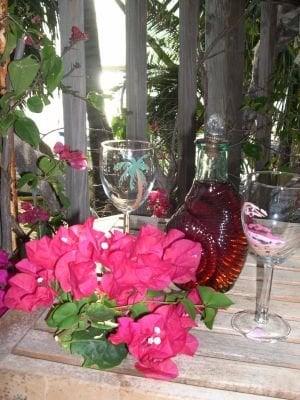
75, 158
121, 282
77, 35
159, 203
150, 240
152, 260
83, 238
76, 274
41, 255
31, 288
156, 338
3, 278
32, 214
3, 284
2, 305
185, 256
4, 262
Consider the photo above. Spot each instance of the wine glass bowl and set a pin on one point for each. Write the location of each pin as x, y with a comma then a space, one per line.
127, 173
270, 218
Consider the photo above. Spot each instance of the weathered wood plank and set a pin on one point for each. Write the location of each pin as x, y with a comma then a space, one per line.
290, 311
6, 157
224, 65
199, 370
280, 292
136, 69
21, 376
13, 326
71, 14
187, 93
266, 60
222, 324
281, 275
212, 344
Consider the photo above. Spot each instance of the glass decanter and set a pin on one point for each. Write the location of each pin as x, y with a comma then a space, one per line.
211, 214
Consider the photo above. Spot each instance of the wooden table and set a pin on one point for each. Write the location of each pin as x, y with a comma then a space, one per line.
227, 366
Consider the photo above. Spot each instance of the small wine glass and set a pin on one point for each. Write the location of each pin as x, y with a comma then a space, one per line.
270, 218
127, 174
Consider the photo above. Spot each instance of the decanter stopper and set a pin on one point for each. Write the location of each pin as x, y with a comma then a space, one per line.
215, 130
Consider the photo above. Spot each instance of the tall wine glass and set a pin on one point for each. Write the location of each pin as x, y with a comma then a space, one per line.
270, 218
127, 174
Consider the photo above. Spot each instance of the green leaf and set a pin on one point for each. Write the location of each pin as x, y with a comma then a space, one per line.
27, 130
5, 102
48, 165
139, 309
189, 307
48, 55
65, 316
49, 319
208, 316
65, 201
252, 150
174, 296
99, 312
35, 104
214, 299
6, 123
68, 322
109, 302
11, 43
22, 73
55, 74
155, 293
46, 100
96, 349
28, 178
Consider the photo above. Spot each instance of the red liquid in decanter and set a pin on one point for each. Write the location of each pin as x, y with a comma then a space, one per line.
211, 216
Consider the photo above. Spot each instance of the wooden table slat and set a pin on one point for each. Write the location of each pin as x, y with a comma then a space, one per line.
201, 370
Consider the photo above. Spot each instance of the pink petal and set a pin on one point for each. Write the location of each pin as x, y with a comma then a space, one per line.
24, 281
164, 370
123, 333
191, 345
172, 236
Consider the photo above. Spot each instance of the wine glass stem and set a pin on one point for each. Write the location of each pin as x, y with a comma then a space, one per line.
126, 222
262, 307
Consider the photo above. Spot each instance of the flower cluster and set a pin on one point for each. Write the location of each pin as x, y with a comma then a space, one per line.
159, 203
77, 35
75, 158
32, 214
4, 275
118, 291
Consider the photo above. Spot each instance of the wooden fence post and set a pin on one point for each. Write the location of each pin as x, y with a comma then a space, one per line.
187, 90
224, 65
136, 69
71, 13
266, 59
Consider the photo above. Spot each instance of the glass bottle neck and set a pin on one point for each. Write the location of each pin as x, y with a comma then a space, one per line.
211, 162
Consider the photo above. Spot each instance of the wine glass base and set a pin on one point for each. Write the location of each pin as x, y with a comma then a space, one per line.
274, 330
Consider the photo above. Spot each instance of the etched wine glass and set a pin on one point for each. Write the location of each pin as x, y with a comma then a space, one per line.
270, 219
127, 173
